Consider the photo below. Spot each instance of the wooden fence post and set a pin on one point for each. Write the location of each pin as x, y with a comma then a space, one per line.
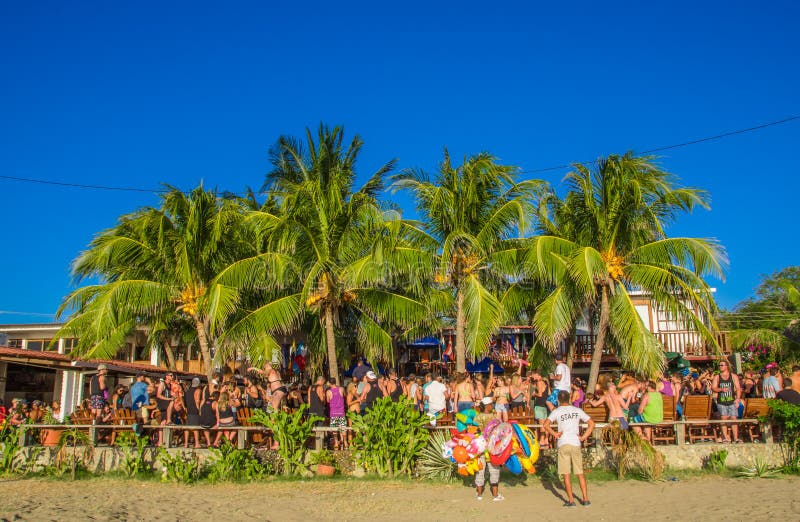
241, 439
680, 433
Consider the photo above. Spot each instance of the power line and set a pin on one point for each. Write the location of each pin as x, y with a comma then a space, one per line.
14, 312
677, 145
81, 185
535, 171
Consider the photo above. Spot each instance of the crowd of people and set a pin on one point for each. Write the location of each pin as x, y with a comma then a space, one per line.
212, 407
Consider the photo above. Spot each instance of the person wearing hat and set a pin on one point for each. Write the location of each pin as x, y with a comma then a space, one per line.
98, 390
371, 391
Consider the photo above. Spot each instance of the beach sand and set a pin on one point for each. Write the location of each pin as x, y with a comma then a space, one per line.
346, 500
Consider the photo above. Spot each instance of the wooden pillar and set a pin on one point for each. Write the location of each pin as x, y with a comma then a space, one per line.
241, 439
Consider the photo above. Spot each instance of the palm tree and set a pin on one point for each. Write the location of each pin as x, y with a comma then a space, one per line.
477, 216
158, 268
606, 238
334, 254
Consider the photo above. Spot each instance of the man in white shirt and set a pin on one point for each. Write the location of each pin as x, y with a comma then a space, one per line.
562, 377
436, 395
569, 418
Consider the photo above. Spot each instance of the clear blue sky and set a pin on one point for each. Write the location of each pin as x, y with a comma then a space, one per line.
152, 92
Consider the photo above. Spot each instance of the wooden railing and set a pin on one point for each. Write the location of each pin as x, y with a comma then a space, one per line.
689, 344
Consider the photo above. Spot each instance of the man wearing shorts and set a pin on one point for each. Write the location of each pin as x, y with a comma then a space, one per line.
569, 418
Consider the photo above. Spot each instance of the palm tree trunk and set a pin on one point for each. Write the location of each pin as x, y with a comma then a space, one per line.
572, 344
330, 341
600, 342
172, 364
202, 340
461, 345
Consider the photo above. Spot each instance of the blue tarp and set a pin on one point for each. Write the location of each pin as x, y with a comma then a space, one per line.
425, 342
483, 366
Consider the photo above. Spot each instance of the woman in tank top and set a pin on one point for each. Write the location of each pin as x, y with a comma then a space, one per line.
336, 411
208, 417
226, 418
316, 400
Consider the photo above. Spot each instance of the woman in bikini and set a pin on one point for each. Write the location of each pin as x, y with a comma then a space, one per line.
463, 396
277, 389
501, 398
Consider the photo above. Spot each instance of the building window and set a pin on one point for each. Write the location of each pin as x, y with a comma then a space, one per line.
15, 343
38, 345
70, 344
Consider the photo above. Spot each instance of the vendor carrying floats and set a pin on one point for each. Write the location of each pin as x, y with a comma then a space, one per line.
501, 444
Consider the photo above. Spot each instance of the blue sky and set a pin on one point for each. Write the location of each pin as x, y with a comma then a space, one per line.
142, 93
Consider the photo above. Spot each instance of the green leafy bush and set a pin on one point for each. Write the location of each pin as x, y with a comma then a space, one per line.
389, 437
183, 468
291, 431
133, 450
230, 464
787, 417
9, 449
716, 461
324, 457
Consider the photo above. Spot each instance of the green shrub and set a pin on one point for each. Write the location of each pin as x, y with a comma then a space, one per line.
389, 437
133, 450
716, 461
229, 464
9, 449
183, 468
787, 417
324, 457
291, 431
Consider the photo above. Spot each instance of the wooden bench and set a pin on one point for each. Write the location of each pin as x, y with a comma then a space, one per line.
698, 408
666, 432
755, 409
122, 417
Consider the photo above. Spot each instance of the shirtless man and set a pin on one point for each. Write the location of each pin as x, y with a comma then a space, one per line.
615, 404
276, 387
627, 391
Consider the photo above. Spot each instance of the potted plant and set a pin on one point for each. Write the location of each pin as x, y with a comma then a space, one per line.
325, 461
50, 436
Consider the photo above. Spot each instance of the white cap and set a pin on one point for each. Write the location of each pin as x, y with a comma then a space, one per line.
371, 375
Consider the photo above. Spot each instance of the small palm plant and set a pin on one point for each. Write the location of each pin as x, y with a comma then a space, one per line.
73, 439
759, 469
632, 453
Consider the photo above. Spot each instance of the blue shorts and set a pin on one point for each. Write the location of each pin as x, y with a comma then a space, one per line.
553, 397
464, 405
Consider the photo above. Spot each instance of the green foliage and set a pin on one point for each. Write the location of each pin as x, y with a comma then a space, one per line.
607, 236
431, 464
389, 437
632, 453
10, 447
69, 456
291, 431
768, 322
325, 457
182, 468
759, 469
787, 417
133, 449
230, 464
716, 461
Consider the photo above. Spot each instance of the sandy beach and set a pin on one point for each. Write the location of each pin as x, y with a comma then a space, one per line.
114, 499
